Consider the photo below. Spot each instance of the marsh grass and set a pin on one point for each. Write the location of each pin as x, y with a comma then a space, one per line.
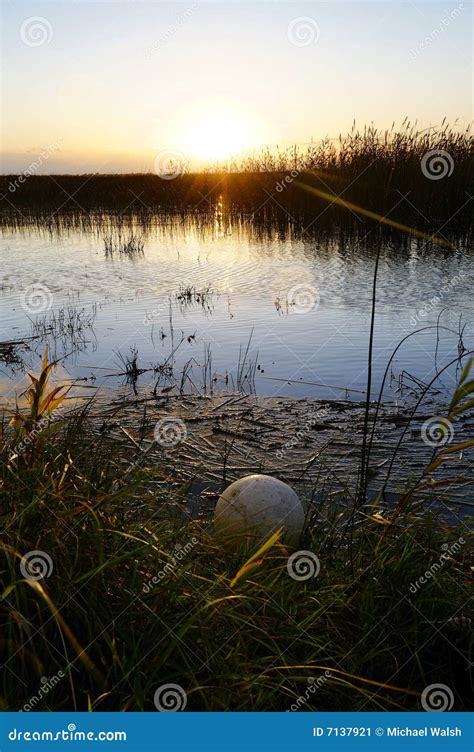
381, 171
188, 295
131, 247
134, 602
68, 325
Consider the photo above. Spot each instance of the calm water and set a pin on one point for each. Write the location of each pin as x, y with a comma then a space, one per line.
303, 304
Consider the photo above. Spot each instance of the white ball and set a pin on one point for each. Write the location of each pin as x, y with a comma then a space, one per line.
254, 507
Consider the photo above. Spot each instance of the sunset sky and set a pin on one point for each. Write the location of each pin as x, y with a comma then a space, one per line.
110, 86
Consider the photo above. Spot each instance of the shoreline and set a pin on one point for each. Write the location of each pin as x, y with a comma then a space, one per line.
311, 444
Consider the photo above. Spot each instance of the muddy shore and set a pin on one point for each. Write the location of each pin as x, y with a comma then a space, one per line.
204, 442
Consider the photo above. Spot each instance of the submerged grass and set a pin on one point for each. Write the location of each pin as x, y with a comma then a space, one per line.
116, 602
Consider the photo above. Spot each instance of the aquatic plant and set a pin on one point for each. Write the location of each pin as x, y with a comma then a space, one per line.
386, 172
41, 403
131, 247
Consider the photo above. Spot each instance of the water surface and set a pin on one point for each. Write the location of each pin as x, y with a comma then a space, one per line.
294, 311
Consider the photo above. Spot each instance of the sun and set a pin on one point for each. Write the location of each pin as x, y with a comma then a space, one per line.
216, 136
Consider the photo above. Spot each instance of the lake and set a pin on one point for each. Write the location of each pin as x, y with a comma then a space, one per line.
219, 304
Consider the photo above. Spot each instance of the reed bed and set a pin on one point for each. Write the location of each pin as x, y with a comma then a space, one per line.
382, 172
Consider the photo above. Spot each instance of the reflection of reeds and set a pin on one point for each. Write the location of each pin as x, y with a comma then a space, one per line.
188, 295
241, 379
132, 246
9, 352
68, 325
246, 368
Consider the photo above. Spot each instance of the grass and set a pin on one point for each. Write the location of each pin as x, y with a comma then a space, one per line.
131, 246
130, 602
378, 171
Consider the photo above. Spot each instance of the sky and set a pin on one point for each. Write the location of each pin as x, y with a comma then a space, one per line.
125, 86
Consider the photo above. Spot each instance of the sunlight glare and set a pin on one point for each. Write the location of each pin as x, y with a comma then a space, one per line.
216, 136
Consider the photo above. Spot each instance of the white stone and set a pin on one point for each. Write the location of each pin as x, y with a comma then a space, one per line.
254, 507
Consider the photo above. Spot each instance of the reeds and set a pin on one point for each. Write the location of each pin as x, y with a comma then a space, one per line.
381, 171
131, 246
69, 325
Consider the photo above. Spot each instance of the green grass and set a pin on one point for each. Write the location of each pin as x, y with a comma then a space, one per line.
77, 495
